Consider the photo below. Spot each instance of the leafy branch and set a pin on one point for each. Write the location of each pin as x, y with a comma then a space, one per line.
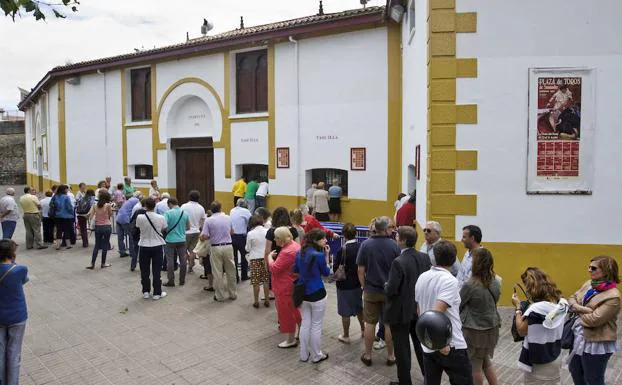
14, 8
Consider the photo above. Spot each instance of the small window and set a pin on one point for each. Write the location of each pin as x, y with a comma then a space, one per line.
143, 171
252, 81
141, 94
330, 176
254, 171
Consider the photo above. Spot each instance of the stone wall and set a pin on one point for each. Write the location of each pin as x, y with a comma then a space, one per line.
12, 153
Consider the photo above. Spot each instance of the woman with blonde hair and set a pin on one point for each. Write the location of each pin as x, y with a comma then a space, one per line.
479, 315
542, 325
298, 219
281, 269
597, 304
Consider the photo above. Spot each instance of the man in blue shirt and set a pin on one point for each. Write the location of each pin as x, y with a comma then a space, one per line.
240, 216
177, 222
123, 226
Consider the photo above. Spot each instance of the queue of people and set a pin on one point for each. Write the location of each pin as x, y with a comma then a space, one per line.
383, 280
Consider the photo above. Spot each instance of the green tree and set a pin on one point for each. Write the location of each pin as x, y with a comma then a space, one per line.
14, 8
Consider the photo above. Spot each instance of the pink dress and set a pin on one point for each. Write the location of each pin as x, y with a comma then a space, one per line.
283, 287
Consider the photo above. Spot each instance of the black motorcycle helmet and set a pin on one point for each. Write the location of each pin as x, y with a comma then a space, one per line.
434, 329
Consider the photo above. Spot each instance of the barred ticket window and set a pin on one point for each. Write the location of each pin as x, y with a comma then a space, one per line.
143, 171
329, 176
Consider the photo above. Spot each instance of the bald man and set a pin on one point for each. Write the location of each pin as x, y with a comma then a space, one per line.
9, 213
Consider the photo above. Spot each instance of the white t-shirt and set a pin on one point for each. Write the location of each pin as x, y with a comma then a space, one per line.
136, 207
45, 206
72, 198
256, 243
262, 190
162, 206
438, 284
195, 212
148, 237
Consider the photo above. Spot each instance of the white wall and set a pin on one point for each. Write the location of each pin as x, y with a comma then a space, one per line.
208, 68
415, 102
249, 143
85, 130
511, 37
343, 96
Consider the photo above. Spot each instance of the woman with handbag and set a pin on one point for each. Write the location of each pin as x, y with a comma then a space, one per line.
479, 316
349, 291
542, 326
13, 312
597, 304
283, 284
311, 264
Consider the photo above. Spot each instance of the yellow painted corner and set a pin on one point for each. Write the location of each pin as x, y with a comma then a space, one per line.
443, 135
271, 112
450, 204
466, 22
466, 160
466, 113
443, 90
466, 68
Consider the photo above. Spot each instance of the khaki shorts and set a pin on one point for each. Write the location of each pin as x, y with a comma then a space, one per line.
191, 241
373, 304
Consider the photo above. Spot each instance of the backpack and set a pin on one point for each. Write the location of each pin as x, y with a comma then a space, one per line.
84, 206
52, 208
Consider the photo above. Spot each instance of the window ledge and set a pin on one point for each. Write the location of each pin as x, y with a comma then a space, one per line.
139, 123
250, 115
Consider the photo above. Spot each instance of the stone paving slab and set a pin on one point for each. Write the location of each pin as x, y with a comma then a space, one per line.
93, 327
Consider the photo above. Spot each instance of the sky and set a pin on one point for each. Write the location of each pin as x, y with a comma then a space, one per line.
101, 28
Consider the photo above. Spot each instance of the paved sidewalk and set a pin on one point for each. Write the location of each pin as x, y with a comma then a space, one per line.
93, 327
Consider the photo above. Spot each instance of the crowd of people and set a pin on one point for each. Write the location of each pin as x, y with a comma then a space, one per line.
382, 280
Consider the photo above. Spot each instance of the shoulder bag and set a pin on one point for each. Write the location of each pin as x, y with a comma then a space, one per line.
298, 294
7, 272
523, 307
340, 273
154, 229
167, 231
568, 333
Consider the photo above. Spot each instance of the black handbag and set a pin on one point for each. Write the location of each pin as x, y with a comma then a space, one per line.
568, 333
298, 295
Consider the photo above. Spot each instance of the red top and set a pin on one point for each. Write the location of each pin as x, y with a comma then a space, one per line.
282, 269
405, 215
313, 223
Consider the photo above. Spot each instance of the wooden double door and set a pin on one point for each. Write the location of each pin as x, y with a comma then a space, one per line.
195, 168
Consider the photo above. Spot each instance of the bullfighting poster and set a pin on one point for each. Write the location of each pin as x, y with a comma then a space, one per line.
561, 116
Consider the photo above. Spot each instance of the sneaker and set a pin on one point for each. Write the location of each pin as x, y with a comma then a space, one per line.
288, 345
379, 345
345, 340
146, 295
169, 284
157, 297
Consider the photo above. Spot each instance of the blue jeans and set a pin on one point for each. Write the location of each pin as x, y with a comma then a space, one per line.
589, 369
8, 228
102, 238
123, 231
11, 338
259, 202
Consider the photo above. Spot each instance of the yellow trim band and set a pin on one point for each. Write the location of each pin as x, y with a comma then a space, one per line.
394, 113
62, 144
271, 112
123, 119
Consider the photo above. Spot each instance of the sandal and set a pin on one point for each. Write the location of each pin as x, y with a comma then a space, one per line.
390, 362
266, 303
256, 305
321, 359
366, 361
203, 276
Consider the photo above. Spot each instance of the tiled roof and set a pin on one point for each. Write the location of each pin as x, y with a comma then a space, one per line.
236, 34
205, 44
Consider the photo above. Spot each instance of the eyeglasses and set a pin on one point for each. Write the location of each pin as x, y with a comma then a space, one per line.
427, 230
592, 268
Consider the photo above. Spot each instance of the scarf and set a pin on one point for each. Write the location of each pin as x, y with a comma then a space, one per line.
598, 287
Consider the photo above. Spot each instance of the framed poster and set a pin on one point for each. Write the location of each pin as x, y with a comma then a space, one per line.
358, 161
560, 151
282, 157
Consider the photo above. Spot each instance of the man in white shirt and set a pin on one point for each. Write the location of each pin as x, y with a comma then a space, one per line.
162, 205
437, 289
262, 193
150, 249
471, 239
239, 226
9, 213
310, 193
432, 233
196, 214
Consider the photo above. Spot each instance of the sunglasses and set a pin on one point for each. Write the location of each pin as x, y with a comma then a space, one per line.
427, 230
592, 268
